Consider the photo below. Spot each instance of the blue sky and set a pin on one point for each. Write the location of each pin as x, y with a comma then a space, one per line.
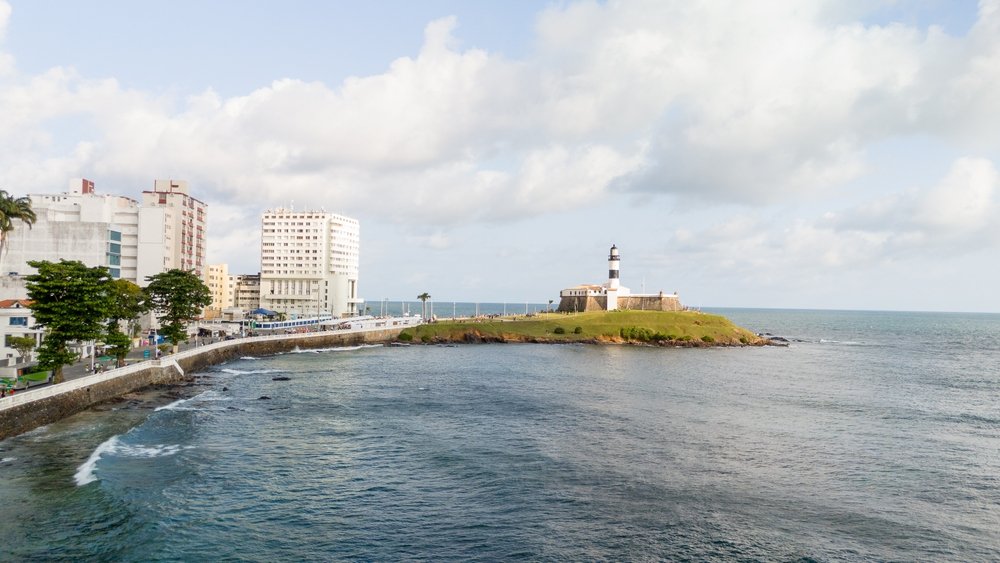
774, 154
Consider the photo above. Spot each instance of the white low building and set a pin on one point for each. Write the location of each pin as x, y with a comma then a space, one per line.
612, 296
16, 320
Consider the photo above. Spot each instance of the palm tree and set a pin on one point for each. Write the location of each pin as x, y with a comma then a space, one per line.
13, 208
423, 297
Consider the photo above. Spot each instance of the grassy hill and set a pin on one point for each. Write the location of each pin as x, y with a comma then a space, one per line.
683, 328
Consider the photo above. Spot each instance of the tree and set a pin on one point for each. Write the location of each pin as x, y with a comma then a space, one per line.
178, 297
24, 345
128, 302
72, 302
118, 344
423, 297
13, 208
550, 305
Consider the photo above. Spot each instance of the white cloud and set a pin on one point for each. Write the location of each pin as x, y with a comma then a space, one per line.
747, 102
958, 215
964, 202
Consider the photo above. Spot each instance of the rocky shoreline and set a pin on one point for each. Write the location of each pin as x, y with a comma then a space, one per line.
473, 336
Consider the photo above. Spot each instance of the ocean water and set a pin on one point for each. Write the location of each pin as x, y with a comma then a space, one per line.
873, 436
449, 309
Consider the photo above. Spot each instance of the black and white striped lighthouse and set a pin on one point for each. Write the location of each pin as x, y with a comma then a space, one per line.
613, 261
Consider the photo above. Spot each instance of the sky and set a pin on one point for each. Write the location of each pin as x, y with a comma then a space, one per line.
794, 154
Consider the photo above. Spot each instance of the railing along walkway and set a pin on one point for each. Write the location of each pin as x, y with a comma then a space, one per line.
31, 395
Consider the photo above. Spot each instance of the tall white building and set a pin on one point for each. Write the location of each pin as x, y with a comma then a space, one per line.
132, 240
98, 230
309, 263
171, 229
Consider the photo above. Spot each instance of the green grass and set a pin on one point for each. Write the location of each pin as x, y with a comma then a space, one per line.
685, 326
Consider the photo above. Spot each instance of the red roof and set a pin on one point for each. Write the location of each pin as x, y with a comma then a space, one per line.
15, 303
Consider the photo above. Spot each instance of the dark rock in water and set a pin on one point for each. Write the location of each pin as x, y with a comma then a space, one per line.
225, 388
263, 398
779, 339
281, 378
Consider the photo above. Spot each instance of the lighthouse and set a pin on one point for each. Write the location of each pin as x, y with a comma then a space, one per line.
613, 261
612, 286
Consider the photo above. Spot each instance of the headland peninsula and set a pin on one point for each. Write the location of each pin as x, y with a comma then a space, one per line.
661, 328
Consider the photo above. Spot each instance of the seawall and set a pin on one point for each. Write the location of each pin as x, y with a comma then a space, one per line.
30, 409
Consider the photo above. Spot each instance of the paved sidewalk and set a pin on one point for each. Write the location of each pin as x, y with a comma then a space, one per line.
82, 368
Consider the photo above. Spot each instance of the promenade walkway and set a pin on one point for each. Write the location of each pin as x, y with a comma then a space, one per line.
78, 378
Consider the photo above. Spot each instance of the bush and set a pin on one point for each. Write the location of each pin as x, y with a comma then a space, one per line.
639, 333
425, 338
578, 330
685, 338
559, 330
707, 338
743, 340
405, 337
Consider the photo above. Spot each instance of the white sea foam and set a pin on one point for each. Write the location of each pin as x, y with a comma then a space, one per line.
172, 405
7, 459
249, 358
183, 404
232, 371
336, 349
841, 342
86, 473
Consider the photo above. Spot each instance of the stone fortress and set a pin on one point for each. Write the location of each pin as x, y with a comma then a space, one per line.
611, 295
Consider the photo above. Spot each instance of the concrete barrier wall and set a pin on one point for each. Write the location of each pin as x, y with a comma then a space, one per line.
31, 409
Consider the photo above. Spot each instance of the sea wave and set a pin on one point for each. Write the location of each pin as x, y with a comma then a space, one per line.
206, 396
249, 358
842, 342
232, 371
87, 472
335, 349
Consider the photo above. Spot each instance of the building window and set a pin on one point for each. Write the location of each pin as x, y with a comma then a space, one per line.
19, 321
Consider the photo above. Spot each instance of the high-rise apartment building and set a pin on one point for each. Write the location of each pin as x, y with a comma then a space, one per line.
132, 240
309, 263
171, 229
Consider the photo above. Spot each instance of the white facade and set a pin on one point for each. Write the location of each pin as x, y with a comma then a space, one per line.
16, 320
611, 289
98, 230
309, 263
171, 230
133, 241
